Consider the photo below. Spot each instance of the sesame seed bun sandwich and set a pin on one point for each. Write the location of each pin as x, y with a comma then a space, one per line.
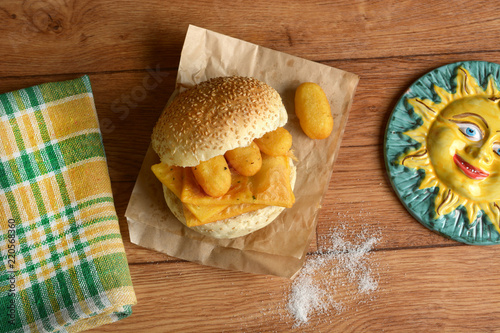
226, 162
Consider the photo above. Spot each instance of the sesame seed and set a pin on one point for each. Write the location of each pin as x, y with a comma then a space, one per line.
196, 122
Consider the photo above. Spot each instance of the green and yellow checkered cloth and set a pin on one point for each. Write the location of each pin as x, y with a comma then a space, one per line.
62, 261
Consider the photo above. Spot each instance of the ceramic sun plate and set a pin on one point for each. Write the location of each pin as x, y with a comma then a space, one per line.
442, 151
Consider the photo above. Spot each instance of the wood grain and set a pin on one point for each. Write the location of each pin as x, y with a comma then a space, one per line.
128, 108
424, 290
359, 165
94, 36
131, 52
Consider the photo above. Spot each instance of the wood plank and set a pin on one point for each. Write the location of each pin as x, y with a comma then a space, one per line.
131, 51
361, 197
425, 290
359, 165
95, 36
360, 193
128, 115
382, 83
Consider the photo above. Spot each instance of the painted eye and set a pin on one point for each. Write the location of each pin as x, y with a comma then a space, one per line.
496, 148
471, 131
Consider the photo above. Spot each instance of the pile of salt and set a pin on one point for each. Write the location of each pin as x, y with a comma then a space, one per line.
314, 289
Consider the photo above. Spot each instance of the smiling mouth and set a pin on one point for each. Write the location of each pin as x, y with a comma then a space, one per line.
468, 169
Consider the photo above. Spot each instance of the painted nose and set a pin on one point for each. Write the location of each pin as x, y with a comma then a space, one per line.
479, 152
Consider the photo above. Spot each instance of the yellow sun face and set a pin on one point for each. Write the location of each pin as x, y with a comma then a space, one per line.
460, 147
463, 144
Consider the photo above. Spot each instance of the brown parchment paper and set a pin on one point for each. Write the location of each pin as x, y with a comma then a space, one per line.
280, 248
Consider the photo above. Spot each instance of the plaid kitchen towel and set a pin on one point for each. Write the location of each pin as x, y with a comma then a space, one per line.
62, 261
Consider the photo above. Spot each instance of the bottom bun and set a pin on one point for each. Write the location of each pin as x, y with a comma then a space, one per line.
233, 227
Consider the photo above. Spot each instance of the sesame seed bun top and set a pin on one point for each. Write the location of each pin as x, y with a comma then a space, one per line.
216, 116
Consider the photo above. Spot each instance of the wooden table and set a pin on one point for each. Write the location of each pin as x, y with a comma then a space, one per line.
426, 282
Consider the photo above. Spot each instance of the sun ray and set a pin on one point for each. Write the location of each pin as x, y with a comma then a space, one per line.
415, 159
491, 89
465, 83
424, 108
495, 213
473, 210
444, 95
448, 202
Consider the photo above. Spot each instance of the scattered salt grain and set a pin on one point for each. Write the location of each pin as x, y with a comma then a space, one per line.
327, 279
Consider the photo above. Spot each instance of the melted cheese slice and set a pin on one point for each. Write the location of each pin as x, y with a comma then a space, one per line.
172, 177
269, 187
229, 211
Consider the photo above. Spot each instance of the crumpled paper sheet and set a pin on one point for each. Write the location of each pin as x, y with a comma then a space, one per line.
280, 248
